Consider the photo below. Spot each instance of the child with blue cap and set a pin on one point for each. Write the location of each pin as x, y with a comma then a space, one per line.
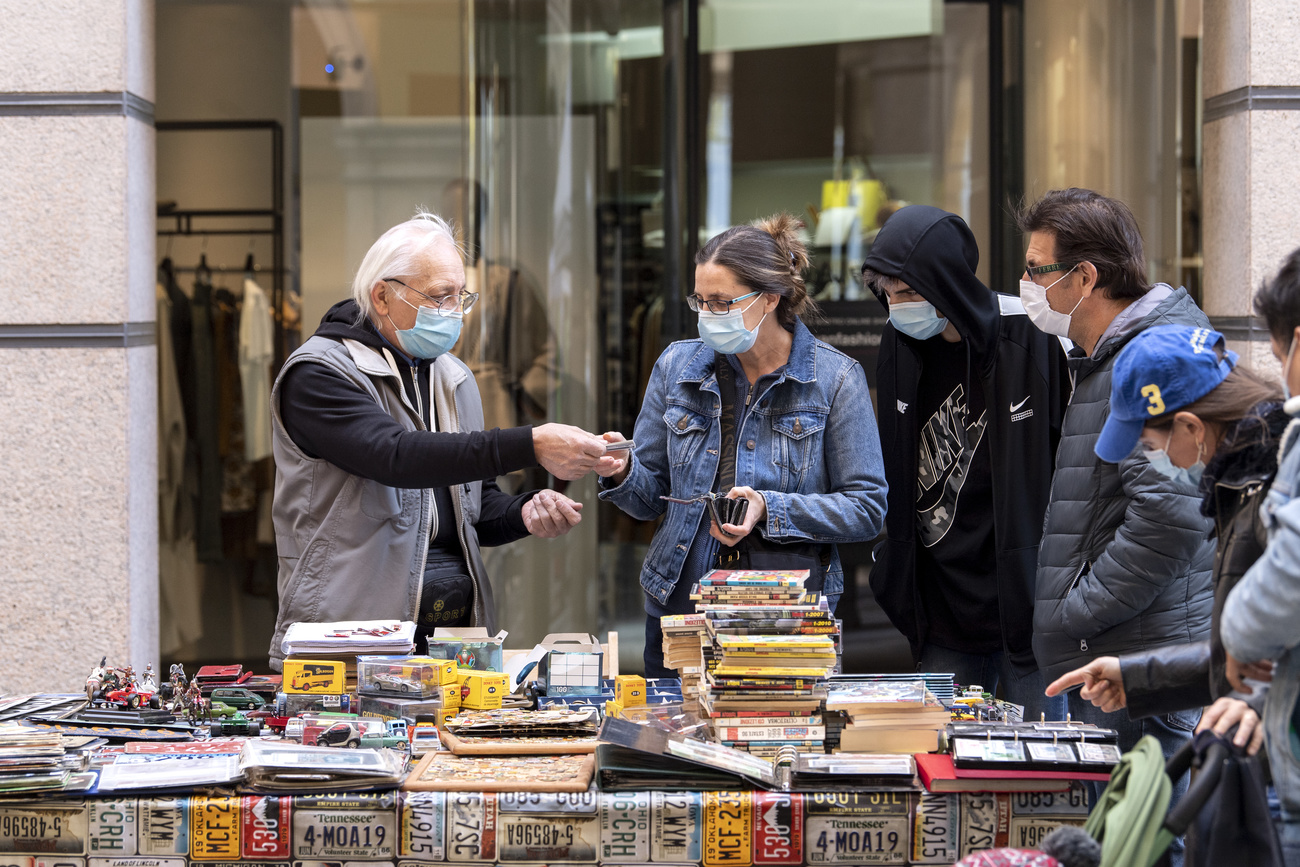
1206, 421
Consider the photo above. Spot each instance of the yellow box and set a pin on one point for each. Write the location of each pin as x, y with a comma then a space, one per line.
482, 690
445, 714
629, 690
613, 708
450, 696
313, 676
447, 670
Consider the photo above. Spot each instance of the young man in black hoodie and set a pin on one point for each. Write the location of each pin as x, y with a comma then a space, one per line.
970, 397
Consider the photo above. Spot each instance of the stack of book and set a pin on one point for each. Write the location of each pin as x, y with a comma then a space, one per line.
684, 637
771, 647
888, 716
30, 760
346, 640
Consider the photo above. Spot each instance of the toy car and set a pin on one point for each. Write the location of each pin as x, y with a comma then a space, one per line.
238, 697
221, 709
236, 725
132, 696
395, 683
339, 734
267, 717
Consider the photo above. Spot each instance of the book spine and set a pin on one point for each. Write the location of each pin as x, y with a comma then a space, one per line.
772, 733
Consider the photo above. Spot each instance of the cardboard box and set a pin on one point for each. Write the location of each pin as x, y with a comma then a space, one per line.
483, 690
629, 690
314, 676
469, 646
571, 665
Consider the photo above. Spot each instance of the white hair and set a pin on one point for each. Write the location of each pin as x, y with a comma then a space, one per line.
401, 251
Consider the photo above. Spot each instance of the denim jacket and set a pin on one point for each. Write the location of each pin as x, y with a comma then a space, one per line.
808, 444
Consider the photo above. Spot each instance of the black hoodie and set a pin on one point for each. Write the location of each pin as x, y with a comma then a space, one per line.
330, 418
1025, 383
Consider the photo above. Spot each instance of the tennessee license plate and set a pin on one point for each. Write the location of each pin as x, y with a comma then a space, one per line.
728, 829
934, 830
471, 826
214, 829
341, 834
625, 828
53, 830
267, 832
424, 819
112, 827
522, 837
677, 819
164, 827
857, 827
778, 828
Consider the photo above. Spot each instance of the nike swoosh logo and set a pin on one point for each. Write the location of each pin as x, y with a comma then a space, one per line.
1016, 406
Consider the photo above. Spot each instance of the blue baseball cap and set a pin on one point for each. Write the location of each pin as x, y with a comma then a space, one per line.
1162, 370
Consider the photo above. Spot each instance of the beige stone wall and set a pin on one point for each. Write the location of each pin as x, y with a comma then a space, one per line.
78, 465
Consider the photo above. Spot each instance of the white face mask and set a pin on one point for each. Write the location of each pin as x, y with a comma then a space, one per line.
1034, 297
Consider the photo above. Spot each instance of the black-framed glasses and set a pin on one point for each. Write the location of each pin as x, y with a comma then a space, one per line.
1035, 270
446, 305
717, 306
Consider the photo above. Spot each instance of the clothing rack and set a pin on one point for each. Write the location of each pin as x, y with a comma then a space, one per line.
238, 221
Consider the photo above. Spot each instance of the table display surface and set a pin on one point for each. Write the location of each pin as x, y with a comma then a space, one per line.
712, 829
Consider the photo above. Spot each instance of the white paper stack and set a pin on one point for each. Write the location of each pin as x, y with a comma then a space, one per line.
353, 637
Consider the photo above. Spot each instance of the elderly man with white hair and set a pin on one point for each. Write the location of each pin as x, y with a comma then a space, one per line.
384, 476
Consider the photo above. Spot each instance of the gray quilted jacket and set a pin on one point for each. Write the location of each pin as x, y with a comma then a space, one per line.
1126, 555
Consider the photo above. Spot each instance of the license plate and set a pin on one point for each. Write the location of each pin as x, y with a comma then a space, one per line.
1028, 833
47, 861
214, 828
58, 830
778, 828
547, 802
164, 826
677, 819
625, 828
112, 828
985, 821
348, 801
137, 862
340, 834
934, 830
728, 829
1072, 802
523, 837
424, 819
267, 830
857, 827
471, 826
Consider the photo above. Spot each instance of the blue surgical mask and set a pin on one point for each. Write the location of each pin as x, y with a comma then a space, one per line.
917, 319
432, 334
727, 333
1162, 464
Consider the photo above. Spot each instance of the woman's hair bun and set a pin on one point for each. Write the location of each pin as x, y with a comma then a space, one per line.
784, 229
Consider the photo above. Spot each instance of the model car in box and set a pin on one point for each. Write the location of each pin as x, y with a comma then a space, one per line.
313, 676
411, 676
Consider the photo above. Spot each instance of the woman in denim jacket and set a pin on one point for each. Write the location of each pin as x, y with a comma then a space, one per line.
807, 452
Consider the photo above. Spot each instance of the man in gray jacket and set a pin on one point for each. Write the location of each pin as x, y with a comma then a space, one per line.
1125, 560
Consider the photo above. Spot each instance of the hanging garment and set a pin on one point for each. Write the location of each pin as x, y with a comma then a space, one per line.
238, 490
256, 348
207, 418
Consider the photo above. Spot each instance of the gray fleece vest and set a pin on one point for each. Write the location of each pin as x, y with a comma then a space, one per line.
351, 548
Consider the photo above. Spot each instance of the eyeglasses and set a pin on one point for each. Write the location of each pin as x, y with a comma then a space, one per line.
718, 307
1046, 269
446, 305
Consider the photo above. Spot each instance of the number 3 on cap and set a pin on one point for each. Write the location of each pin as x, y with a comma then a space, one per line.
1152, 394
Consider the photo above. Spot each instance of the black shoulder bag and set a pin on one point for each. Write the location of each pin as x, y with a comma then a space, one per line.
754, 551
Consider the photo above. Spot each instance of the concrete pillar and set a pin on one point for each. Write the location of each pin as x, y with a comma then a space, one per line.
1251, 172
78, 448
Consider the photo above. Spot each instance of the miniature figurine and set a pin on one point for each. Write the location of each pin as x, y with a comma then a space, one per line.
147, 680
95, 679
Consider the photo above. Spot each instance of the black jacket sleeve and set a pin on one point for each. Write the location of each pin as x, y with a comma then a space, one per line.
331, 419
1166, 679
500, 517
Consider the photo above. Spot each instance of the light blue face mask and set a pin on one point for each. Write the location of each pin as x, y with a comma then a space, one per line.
916, 319
727, 333
1162, 464
431, 335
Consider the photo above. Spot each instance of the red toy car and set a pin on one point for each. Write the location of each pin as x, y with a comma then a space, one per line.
131, 696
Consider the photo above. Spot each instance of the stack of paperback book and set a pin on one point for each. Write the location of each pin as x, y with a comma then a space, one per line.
30, 760
888, 716
684, 637
771, 647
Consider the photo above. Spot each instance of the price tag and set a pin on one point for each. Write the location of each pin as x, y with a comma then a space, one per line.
547, 802
1028, 833
164, 826
341, 834
424, 820
778, 828
267, 831
112, 827
522, 837
985, 821
625, 828
677, 820
934, 830
728, 829
59, 830
214, 828
471, 826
